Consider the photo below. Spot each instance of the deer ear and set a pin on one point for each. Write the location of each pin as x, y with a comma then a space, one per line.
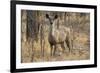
56, 16
47, 16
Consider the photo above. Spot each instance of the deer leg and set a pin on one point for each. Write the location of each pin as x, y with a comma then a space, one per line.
63, 45
68, 44
54, 50
51, 46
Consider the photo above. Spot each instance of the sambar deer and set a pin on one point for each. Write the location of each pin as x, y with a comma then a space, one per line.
61, 35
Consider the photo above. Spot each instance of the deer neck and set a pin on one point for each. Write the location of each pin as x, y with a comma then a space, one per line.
53, 29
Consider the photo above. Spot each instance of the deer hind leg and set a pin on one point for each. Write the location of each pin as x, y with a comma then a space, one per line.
63, 46
69, 44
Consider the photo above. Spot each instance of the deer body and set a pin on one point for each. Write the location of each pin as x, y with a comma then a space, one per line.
58, 35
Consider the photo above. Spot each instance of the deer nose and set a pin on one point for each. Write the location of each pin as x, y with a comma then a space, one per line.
51, 23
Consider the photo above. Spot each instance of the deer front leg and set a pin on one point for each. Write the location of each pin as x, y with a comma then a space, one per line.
51, 47
54, 50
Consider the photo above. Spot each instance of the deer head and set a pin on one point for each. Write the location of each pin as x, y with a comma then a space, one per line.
51, 19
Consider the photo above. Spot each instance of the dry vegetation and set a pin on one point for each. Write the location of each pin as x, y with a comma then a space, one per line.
33, 39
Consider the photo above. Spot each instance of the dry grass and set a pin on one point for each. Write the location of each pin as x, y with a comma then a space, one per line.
80, 51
